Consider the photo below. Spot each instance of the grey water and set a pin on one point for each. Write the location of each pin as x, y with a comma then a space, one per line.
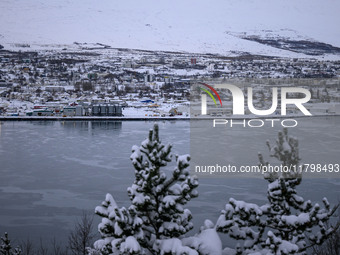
50, 171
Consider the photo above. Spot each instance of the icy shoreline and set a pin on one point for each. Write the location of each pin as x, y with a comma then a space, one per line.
157, 118
82, 118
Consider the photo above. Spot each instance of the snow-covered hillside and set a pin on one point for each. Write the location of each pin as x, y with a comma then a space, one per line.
191, 25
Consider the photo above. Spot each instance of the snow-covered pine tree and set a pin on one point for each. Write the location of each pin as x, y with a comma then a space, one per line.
156, 219
6, 247
284, 224
293, 220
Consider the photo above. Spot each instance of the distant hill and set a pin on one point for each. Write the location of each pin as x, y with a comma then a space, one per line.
304, 28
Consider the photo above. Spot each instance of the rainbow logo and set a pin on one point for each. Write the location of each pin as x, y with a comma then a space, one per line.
209, 93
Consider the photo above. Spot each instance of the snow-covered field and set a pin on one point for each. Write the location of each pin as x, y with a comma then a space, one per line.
192, 26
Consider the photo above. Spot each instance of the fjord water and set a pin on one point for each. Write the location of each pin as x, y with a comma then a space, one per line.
53, 170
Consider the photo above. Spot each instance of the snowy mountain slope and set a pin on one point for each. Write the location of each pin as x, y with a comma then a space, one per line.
193, 26
290, 40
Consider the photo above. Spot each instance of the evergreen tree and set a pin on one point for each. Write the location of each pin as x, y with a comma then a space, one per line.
287, 221
156, 219
6, 247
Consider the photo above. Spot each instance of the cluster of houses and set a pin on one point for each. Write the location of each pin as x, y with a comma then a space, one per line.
116, 79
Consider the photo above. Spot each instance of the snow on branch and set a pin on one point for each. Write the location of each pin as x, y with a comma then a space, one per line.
156, 218
287, 221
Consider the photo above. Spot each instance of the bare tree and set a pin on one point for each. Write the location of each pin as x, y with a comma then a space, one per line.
82, 235
42, 249
27, 247
331, 246
57, 248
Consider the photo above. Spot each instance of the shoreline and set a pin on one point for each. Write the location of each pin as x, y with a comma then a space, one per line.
106, 118
85, 118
